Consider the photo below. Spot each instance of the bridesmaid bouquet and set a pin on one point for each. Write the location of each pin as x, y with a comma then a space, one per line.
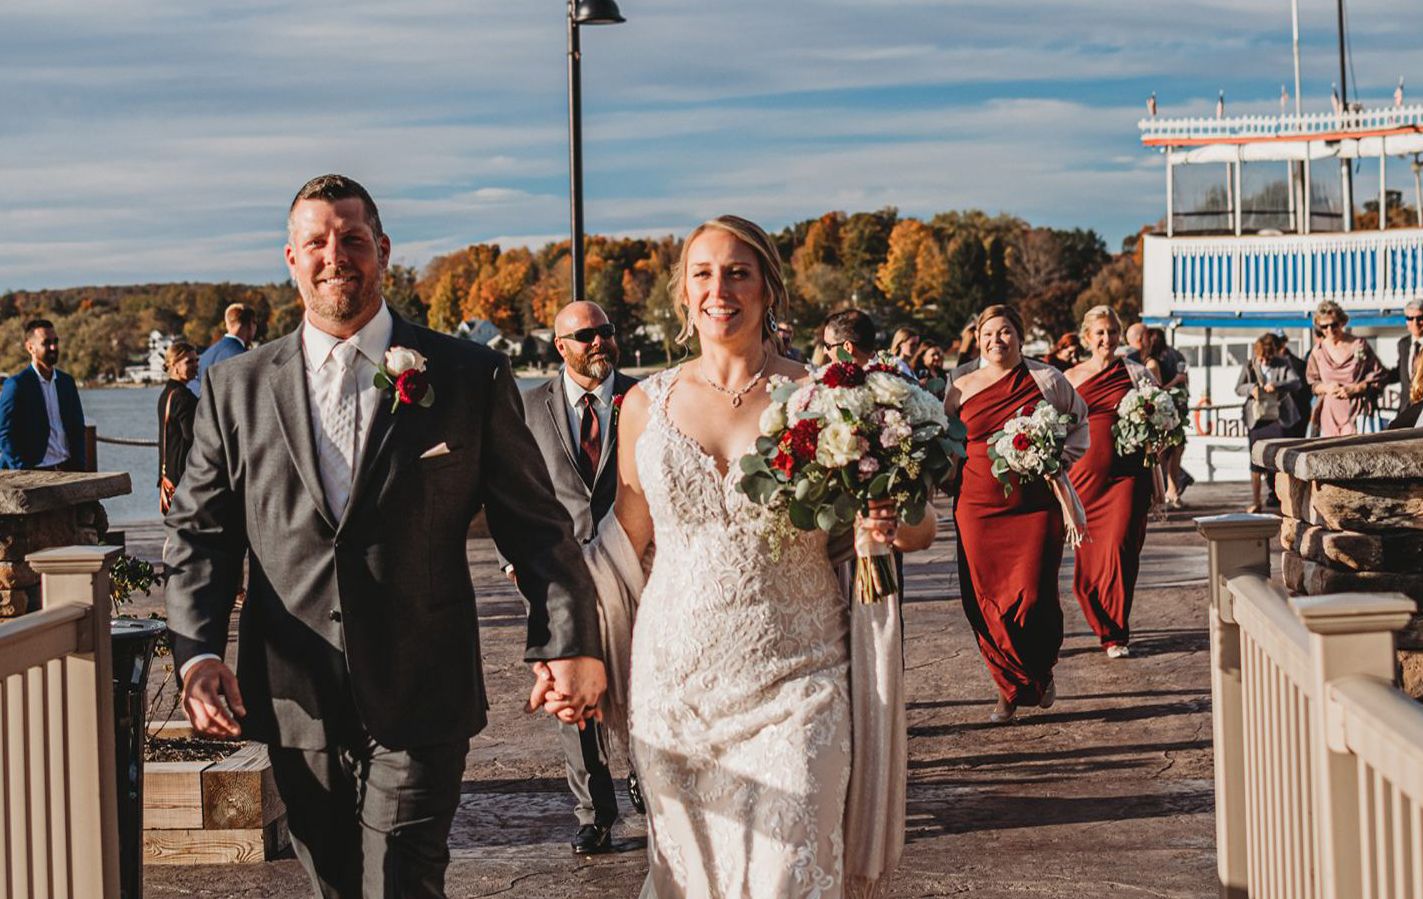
1148, 419
849, 435
1029, 446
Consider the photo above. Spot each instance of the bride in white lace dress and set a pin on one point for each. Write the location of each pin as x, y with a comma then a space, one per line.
739, 707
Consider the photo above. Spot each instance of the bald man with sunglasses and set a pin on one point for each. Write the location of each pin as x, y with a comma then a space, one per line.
573, 418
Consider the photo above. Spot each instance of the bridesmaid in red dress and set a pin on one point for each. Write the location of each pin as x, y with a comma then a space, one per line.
1116, 491
1010, 548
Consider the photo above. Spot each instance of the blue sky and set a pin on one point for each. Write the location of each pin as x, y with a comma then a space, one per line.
158, 140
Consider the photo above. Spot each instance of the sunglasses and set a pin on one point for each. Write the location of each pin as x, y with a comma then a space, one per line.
1328, 326
586, 335
1413, 318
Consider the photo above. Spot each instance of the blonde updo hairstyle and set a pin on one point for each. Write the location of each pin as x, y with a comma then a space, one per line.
1096, 314
772, 278
176, 351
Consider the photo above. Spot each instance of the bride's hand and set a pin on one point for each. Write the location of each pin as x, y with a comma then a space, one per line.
881, 521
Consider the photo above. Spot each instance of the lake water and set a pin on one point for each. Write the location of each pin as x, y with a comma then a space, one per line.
133, 413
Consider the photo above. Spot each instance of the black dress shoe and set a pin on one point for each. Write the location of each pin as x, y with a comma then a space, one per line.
635, 794
593, 839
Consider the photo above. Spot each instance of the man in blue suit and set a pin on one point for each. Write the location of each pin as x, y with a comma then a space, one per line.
241, 325
41, 420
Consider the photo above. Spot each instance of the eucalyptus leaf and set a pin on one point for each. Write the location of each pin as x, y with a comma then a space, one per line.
801, 516
845, 507
764, 445
826, 518
879, 487
752, 464
912, 513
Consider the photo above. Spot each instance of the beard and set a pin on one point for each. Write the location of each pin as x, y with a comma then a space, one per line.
598, 366
343, 306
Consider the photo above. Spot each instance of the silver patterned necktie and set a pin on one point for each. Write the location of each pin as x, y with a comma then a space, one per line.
338, 429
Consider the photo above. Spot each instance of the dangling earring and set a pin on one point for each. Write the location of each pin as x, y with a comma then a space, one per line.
770, 323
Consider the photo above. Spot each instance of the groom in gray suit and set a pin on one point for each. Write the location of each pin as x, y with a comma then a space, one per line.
574, 420
350, 497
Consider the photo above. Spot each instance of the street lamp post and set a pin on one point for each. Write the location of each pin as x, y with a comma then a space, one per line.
580, 12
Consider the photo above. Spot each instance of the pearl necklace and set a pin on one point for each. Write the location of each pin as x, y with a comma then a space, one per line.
736, 395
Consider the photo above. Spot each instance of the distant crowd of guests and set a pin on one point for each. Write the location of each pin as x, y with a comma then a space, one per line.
1327, 394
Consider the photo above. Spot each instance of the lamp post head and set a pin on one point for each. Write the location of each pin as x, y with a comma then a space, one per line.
596, 12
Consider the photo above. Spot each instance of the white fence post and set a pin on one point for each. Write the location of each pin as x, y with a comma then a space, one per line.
1349, 634
80, 574
1239, 544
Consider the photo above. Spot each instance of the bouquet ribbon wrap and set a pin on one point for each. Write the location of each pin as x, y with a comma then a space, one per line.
875, 575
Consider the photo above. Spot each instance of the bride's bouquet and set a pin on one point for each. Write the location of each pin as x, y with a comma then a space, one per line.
1149, 419
849, 435
1029, 445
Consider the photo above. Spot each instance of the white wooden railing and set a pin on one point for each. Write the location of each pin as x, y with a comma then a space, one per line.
1288, 273
1318, 755
1161, 131
59, 838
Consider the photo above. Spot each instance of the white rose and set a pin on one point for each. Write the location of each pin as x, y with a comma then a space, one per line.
888, 389
838, 445
773, 419
399, 360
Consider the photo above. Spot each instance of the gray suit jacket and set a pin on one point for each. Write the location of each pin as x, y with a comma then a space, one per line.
544, 412
367, 623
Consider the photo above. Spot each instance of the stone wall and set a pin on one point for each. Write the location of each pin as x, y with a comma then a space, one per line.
39, 510
1353, 521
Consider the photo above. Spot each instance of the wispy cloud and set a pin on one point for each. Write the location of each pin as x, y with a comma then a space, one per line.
162, 139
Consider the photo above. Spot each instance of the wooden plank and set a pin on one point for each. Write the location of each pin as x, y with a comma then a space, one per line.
203, 847
239, 791
173, 795
207, 847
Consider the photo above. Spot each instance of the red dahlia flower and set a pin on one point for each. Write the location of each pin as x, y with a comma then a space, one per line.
1022, 442
843, 374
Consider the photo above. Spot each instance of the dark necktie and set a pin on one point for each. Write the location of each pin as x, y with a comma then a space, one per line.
590, 439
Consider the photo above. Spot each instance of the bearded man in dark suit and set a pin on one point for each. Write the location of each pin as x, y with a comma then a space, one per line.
574, 421
345, 462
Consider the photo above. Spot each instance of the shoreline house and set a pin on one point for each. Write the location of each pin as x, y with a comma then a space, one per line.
150, 369
1261, 226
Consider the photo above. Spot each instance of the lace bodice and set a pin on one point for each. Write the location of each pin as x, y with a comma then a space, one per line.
739, 689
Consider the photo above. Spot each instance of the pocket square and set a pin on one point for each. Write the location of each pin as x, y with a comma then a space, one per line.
440, 449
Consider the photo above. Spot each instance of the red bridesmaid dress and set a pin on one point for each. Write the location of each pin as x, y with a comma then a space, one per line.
1009, 551
1116, 493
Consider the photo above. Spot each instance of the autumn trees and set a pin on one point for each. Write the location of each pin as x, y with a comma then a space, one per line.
932, 272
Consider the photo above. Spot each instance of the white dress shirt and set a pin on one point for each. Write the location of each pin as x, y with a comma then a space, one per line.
602, 402
323, 374
322, 377
57, 450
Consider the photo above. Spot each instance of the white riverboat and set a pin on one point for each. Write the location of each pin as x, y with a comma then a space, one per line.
1261, 227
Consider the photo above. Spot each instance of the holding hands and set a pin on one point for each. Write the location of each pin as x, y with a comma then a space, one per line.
569, 689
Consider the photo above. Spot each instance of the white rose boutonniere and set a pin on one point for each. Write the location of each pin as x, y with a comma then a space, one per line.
403, 374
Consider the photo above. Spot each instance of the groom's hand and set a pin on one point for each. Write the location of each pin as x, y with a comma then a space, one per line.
211, 699
569, 689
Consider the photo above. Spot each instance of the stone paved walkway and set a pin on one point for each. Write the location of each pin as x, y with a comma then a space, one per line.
1108, 793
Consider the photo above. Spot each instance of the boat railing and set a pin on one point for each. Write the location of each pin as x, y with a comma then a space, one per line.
1282, 273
